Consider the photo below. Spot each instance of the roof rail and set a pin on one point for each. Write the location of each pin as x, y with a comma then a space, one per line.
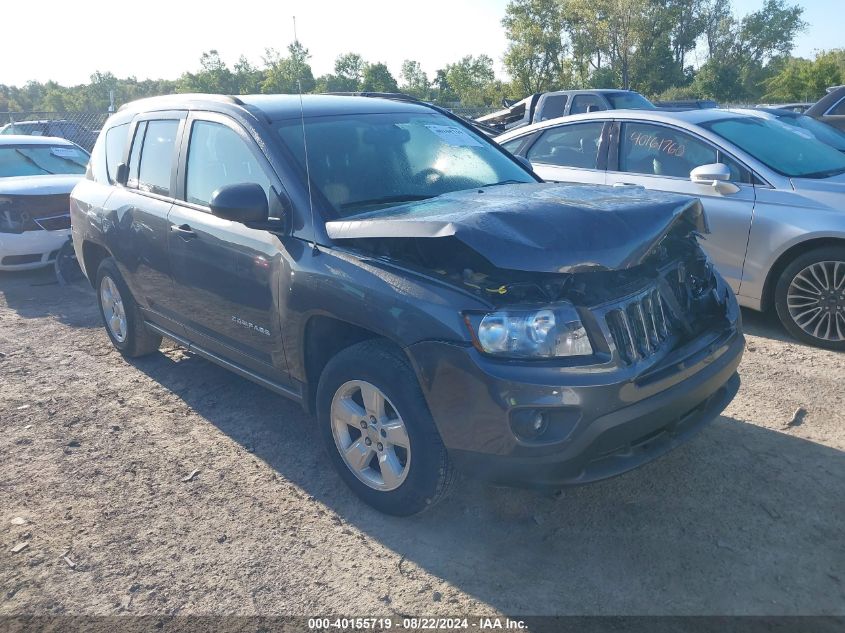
397, 96
185, 95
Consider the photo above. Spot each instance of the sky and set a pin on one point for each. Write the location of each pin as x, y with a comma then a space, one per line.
163, 38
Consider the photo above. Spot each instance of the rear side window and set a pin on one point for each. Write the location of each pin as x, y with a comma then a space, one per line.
569, 146
838, 109
586, 103
553, 107
157, 154
513, 145
115, 149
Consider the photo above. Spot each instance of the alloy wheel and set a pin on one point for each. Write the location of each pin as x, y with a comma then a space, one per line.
816, 300
370, 435
113, 309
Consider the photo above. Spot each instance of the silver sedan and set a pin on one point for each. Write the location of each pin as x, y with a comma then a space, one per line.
774, 197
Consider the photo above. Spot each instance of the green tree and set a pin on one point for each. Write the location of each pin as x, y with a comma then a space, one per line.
349, 68
536, 48
287, 75
377, 78
470, 78
414, 80
213, 77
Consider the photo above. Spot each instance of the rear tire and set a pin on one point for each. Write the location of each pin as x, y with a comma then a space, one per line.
810, 298
122, 319
387, 449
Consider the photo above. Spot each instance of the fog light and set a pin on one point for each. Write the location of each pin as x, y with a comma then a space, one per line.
529, 424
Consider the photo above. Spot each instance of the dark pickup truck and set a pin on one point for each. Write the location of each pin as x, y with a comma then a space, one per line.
412, 284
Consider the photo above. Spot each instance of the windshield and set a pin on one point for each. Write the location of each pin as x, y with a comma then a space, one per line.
369, 161
629, 101
822, 131
785, 149
41, 160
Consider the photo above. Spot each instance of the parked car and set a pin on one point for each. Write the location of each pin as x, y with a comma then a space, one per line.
36, 177
830, 109
411, 283
59, 128
802, 124
799, 108
687, 104
774, 199
551, 105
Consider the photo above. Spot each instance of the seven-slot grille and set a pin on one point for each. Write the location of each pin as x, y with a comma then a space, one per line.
639, 325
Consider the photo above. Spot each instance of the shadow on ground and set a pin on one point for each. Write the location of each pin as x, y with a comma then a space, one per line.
750, 514
37, 293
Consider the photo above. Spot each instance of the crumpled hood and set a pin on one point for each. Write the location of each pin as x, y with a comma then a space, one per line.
539, 227
39, 185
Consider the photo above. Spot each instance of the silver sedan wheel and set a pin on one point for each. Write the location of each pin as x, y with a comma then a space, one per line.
816, 300
113, 309
370, 435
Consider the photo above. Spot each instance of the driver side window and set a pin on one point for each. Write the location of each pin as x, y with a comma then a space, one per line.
218, 156
655, 150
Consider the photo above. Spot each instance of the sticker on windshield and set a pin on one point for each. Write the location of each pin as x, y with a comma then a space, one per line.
454, 136
65, 152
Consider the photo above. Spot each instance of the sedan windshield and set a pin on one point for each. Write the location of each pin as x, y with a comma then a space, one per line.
789, 151
41, 160
822, 131
629, 101
370, 161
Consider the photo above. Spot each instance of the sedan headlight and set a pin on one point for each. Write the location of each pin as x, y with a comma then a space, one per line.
546, 333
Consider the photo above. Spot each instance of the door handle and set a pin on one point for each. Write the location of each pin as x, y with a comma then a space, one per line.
183, 230
626, 184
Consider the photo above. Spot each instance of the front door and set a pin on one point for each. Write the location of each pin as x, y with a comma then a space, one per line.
226, 275
661, 157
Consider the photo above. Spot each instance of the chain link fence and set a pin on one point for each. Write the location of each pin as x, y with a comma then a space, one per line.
80, 127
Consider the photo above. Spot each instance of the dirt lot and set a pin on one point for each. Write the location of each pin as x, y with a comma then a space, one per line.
746, 519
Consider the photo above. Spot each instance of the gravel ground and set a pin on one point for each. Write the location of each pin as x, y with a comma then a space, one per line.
96, 453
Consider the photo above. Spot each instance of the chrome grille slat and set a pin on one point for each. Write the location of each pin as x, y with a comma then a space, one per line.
638, 325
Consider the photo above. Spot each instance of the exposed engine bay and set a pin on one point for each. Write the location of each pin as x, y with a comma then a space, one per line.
638, 267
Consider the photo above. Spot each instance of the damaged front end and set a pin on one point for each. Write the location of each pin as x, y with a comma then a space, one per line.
20, 213
575, 273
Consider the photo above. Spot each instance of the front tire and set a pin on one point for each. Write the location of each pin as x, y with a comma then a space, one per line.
379, 432
121, 316
810, 298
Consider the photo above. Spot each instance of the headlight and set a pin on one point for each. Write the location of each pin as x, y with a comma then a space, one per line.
547, 333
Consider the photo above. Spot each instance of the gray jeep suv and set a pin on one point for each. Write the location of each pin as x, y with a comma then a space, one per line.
412, 284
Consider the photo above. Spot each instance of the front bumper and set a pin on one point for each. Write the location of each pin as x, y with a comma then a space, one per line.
30, 249
611, 421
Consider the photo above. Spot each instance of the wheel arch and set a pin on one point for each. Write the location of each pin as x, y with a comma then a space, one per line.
324, 337
787, 257
93, 255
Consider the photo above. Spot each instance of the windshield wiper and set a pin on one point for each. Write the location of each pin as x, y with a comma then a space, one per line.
505, 182
385, 200
33, 162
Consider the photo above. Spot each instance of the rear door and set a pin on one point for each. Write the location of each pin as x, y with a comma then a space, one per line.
572, 152
226, 275
661, 157
139, 212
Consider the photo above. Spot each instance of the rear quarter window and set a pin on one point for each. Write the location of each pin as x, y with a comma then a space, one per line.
115, 148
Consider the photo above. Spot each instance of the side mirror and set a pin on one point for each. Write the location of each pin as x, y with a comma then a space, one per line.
716, 175
244, 202
122, 175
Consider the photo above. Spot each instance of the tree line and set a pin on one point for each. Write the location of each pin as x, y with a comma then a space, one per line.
662, 48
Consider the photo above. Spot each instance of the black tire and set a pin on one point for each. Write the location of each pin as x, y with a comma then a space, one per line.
138, 340
66, 267
837, 297
430, 472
